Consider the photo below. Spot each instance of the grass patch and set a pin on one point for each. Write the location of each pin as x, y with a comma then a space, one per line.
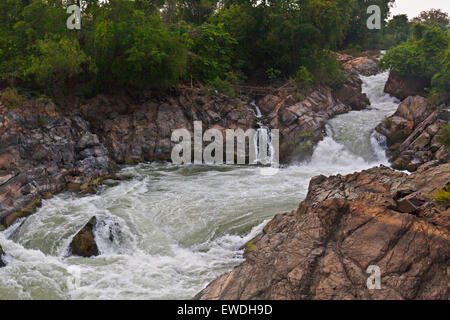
443, 195
12, 98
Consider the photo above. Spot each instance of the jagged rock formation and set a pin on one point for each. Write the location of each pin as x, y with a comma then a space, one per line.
83, 243
142, 132
322, 250
362, 65
412, 135
403, 87
301, 124
42, 152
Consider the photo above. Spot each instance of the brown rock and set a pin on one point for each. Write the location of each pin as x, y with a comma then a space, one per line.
403, 87
83, 243
412, 135
345, 224
362, 65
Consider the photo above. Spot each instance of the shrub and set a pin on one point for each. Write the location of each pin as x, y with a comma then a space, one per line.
223, 86
443, 195
444, 134
56, 61
12, 98
304, 79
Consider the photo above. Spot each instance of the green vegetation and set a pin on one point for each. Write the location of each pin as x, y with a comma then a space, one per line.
12, 98
443, 195
155, 43
444, 134
425, 55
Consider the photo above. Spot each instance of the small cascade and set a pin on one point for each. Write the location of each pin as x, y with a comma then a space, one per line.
264, 149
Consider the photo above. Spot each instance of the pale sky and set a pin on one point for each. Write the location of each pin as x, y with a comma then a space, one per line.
413, 7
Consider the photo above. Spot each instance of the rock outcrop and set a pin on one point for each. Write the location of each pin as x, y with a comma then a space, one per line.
347, 223
43, 152
83, 243
362, 65
403, 87
301, 124
2, 263
135, 132
412, 135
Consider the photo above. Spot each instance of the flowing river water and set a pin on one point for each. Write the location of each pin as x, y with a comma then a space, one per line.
175, 228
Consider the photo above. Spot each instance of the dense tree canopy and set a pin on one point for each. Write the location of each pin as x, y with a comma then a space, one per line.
152, 43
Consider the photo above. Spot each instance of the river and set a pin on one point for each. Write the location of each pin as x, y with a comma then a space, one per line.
175, 228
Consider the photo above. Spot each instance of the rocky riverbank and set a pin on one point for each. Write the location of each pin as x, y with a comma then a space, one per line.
44, 150
413, 135
322, 250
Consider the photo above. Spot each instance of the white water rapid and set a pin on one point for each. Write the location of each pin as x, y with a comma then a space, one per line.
176, 228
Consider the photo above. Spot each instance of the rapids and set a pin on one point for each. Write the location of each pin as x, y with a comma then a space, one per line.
176, 228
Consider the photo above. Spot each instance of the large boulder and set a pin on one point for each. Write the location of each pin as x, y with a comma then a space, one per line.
323, 250
83, 243
402, 87
362, 65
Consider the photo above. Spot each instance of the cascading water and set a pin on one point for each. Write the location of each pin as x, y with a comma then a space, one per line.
264, 149
175, 228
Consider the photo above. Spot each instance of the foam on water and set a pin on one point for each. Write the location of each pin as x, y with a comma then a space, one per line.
175, 228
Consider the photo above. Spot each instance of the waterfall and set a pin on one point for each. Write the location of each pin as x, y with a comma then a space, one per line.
262, 142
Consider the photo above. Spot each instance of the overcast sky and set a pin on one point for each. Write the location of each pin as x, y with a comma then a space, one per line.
413, 7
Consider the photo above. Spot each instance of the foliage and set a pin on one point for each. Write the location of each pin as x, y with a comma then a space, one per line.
224, 86
443, 195
434, 17
211, 49
304, 79
444, 135
56, 61
358, 33
155, 43
12, 98
397, 30
426, 55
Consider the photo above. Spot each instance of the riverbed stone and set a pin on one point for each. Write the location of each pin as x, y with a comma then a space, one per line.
83, 243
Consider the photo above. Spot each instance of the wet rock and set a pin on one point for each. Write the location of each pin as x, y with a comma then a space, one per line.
412, 135
142, 131
42, 151
2, 263
351, 94
362, 65
83, 243
347, 223
403, 87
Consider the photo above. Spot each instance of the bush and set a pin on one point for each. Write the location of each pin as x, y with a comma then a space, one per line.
443, 195
224, 86
12, 98
304, 79
56, 61
211, 50
444, 134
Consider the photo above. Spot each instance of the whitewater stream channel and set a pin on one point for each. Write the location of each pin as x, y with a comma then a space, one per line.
176, 228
